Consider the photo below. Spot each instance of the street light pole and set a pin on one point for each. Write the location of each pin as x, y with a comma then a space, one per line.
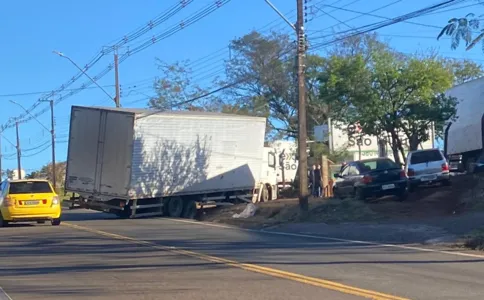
83, 72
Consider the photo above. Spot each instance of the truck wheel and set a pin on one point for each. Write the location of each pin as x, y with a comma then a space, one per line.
264, 197
470, 165
175, 207
190, 209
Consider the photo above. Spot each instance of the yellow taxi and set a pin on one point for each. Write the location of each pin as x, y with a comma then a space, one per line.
29, 200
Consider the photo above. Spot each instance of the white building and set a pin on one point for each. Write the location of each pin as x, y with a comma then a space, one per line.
342, 137
15, 174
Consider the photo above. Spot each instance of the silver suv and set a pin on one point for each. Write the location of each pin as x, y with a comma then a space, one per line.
425, 167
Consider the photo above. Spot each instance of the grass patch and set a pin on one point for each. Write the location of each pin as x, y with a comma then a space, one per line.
472, 198
475, 240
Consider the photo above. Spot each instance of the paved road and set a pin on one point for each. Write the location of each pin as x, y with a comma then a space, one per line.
98, 257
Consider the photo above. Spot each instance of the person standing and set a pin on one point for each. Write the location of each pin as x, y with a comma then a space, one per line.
317, 181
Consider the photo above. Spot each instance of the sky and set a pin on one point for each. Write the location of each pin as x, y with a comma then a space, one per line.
31, 30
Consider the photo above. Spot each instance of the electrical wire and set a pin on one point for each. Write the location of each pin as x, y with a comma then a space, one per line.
133, 36
190, 21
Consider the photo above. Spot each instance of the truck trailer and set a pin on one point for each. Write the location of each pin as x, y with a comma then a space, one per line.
140, 162
463, 137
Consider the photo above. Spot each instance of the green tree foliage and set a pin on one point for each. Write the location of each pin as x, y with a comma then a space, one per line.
177, 91
465, 30
7, 174
389, 95
464, 70
46, 173
266, 66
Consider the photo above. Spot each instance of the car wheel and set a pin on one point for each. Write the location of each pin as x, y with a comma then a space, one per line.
55, 222
3, 223
337, 194
402, 195
40, 222
447, 182
412, 188
360, 195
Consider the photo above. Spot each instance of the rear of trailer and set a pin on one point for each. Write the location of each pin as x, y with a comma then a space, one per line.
141, 162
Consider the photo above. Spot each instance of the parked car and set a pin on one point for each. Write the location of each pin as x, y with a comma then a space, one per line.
28, 201
367, 178
428, 166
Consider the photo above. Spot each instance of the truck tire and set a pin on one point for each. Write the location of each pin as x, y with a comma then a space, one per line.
190, 209
175, 207
470, 165
264, 197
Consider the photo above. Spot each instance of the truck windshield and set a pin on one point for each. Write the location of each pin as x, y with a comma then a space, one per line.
29, 187
425, 157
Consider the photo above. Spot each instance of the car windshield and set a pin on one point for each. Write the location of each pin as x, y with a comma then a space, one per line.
425, 157
378, 164
29, 187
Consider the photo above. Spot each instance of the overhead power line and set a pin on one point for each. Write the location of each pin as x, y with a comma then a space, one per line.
389, 22
104, 51
356, 31
202, 13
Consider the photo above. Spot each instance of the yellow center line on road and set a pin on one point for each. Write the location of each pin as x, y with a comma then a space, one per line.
330, 285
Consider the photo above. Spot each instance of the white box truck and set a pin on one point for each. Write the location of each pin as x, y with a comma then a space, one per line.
463, 138
138, 162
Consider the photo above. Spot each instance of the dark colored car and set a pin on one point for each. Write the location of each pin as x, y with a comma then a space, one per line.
375, 177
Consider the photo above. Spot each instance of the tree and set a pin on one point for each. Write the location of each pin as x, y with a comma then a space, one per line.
176, 90
265, 66
389, 95
7, 173
464, 70
461, 30
46, 172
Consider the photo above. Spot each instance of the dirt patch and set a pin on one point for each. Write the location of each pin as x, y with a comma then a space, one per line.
287, 211
466, 194
474, 240
434, 201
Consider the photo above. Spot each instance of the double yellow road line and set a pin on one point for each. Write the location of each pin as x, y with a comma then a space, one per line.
330, 285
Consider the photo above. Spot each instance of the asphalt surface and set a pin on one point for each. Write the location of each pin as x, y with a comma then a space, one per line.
97, 256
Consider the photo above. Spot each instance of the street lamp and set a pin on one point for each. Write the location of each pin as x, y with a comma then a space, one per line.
83, 72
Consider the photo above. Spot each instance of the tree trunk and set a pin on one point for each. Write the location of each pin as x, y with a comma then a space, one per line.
396, 145
413, 142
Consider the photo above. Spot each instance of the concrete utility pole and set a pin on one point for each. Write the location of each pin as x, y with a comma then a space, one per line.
51, 130
1, 171
301, 114
19, 165
301, 91
117, 100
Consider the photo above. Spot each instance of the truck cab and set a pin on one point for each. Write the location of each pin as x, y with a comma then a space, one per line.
269, 173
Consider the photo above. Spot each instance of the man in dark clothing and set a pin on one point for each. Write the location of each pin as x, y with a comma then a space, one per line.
315, 179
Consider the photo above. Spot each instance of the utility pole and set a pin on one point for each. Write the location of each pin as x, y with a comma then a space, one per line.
1, 171
116, 78
19, 165
52, 132
301, 114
